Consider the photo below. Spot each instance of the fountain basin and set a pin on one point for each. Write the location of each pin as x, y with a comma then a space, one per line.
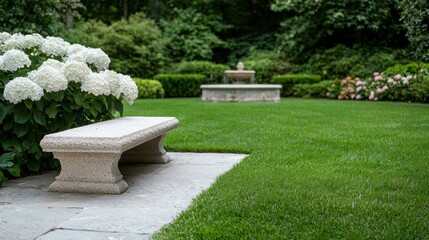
240, 75
241, 92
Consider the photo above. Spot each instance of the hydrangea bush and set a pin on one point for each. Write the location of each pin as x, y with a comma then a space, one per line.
384, 86
48, 85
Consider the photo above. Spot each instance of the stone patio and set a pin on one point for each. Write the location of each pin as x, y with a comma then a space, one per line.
157, 194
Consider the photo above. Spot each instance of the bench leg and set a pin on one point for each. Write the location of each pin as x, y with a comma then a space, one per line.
151, 151
89, 173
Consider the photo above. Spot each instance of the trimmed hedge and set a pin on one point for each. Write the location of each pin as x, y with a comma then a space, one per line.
289, 80
213, 72
181, 85
313, 90
149, 88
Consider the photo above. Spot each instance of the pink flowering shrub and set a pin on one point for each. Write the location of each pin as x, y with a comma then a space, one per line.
385, 86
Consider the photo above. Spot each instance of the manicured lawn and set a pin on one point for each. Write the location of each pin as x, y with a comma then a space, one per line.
317, 169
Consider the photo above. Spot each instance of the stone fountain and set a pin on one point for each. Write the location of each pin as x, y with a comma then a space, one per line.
240, 75
239, 91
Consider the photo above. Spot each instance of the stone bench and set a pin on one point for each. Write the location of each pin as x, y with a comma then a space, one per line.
89, 155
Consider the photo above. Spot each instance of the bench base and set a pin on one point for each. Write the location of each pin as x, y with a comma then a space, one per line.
95, 172
89, 187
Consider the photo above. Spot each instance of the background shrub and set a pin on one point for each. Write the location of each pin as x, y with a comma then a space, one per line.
266, 64
315, 90
136, 47
149, 88
181, 85
342, 61
213, 73
407, 69
289, 80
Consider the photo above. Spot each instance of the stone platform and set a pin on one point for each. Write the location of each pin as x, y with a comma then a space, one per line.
241, 93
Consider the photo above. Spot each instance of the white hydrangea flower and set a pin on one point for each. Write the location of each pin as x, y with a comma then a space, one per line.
96, 84
20, 89
54, 46
128, 88
74, 48
53, 63
13, 60
94, 56
15, 41
4, 36
113, 80
76, 71
32, 41
79, 56
49, 78
97, 57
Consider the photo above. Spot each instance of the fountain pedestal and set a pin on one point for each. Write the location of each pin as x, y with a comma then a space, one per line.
241, 92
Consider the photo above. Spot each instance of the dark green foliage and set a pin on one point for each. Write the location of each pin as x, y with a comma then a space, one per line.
29, 16
266, 64
415, 16
213, 72
341, 61
149, 88
136, 47
191, 34
315, 90
181, 85
406, 69
311, 25
289, 80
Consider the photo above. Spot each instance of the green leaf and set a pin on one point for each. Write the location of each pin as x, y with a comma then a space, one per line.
2, 178
20, 129
93, 111
17, 144
85, 104
39, 118
96, 106
14, 171
78, 99
33, 165
21, 115
3, 112
6, 160
51, 111
8, 125
28, 104
119, 107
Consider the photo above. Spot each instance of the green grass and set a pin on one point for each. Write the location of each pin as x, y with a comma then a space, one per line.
317, 169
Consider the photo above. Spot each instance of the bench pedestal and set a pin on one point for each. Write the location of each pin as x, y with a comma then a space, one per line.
102, 175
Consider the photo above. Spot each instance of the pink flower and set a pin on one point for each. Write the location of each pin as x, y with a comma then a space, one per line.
380, 90
375, 99
409, 77
397, 76
385, 88
405, 81
378, 78
358, 97
376, 74
371, 96
340, 97
358, 89
360, 83
344, 82
353, 96
390, 80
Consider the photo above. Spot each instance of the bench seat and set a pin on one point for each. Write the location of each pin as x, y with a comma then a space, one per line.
89, 155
